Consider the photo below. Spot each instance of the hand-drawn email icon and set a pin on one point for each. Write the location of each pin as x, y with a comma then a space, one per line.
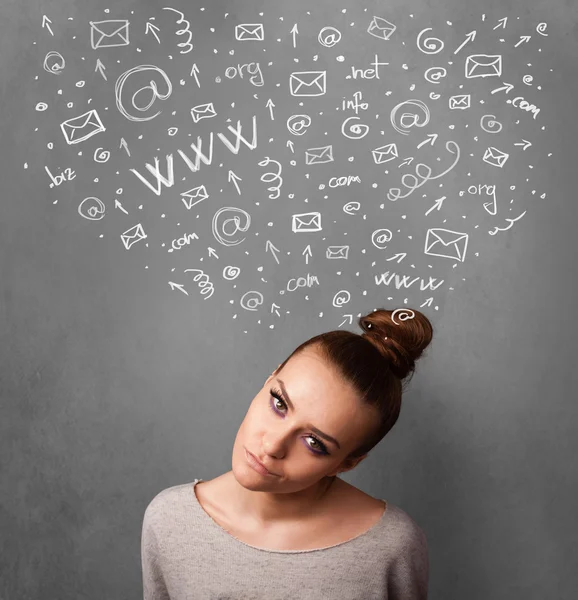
380, 28
446, 243
306, 222
82, 127
203, 111
318, 156
483, 65
249, 31
308, 83
384, 154
108, 34
197, 193
334, 252
460, 102
495, 157
132, 236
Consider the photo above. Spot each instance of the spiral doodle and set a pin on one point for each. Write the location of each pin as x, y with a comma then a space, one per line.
434, 74
102, 156
41, 106
54, 63
298, 124
434, 96
405, 314
270, 177
204, 282
230, 272
527, 79
489, 124
94, 209
541, 29
356, 130
430, 45
329, 37
172, 131
185, 30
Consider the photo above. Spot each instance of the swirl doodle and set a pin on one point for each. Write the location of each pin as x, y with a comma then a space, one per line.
41, 106
430, 45
405, 314
204, 282
185, 30
329, 37
356, 130
409, 119
541, 29
230, 272
270, 177
101, 155
91, 208
298, 124
351, 207
489, 124
54, 63
527, 79
251, 300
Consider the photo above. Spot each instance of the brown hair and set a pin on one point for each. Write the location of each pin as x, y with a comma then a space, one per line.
379, 363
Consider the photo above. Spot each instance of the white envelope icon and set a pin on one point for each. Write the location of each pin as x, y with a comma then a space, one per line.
446, 243
495, 157
460, 102
384, 154
249, 31
306, 222
308, 83
337, 252
132, 236
203, 111
483, 65
82, 127
197, 193
108, 34
380, 28
318, 156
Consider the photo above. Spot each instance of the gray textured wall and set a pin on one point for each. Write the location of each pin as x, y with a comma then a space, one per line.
123, 373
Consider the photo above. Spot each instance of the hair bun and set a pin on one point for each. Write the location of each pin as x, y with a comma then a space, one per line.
400, 335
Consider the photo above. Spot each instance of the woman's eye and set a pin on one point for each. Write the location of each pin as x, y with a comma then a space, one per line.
322, 448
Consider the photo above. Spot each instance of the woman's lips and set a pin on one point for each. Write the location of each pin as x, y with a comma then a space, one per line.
256, 465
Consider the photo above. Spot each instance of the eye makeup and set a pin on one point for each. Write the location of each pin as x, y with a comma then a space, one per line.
278, 397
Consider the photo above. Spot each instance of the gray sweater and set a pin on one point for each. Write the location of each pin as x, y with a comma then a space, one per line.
186, 555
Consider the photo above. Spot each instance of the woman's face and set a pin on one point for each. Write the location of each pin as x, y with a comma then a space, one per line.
285, 423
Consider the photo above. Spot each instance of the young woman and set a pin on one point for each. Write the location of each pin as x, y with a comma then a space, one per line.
281, 524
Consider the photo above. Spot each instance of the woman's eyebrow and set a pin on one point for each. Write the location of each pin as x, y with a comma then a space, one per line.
315, 430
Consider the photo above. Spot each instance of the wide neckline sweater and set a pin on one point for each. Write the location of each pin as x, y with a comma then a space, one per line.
186, 555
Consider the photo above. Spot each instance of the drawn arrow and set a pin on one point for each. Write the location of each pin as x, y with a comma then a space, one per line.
502, 23
523, 38
432, 137
117, 204
349, 320
212, 252
406, 161
270, 106
234, 178
470, 37
178, 286
100, 68
507, 86
524, 143
437, 204
427, 302
195, 72
274, 308
123, 145
295, 31
401, 256
46, 23
290, 145
307, 253
150, 28
270, 248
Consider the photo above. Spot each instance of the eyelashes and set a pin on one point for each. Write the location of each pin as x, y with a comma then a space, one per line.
279, 397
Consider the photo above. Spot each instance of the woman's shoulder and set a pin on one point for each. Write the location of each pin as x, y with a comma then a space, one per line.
404, 529
169, 501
